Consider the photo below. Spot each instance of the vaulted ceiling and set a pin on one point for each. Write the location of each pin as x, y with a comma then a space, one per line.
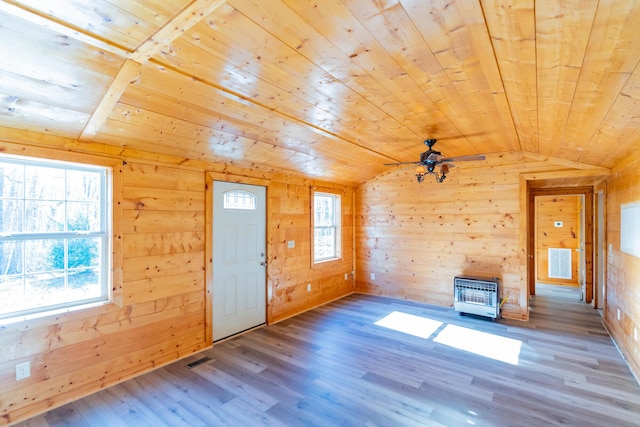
329, 89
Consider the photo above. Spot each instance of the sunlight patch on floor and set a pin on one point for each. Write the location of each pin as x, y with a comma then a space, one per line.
481, 343
417, 326
493, 346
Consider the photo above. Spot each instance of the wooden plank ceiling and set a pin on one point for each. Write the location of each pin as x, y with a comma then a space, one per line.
327, 89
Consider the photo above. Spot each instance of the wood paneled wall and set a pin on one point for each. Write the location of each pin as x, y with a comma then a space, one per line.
415, 238
160, 212
290, 269
623, 270
160, 305
550, 209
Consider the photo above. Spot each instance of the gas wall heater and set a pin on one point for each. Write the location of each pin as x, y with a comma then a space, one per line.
477, 295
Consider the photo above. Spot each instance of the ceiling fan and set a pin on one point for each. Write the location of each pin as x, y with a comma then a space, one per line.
431, 158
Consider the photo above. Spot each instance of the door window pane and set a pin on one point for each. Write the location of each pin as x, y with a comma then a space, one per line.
238, 199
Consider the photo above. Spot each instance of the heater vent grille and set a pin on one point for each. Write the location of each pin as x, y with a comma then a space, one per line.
198, 362
476, 295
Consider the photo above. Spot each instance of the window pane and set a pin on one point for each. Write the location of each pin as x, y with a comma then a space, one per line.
11, 180
11, 216
324, 210
84, 252
45, 289
83, 186
44, 183
43, 255
10, 258
84, 284
11, 293
44, 216
83, 216
325, 243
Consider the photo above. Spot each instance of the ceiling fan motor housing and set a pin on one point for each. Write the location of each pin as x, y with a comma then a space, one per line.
424, 157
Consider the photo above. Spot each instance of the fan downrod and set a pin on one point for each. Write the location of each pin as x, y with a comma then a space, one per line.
430, 142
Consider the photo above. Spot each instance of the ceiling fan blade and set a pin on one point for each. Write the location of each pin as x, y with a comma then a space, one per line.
463, 158
434, 156
401, 163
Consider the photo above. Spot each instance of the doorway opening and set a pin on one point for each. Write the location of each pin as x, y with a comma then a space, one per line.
580, 243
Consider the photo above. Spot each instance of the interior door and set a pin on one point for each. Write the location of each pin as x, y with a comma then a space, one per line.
239, 263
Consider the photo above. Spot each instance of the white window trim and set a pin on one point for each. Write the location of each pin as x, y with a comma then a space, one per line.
337, 226
105, 235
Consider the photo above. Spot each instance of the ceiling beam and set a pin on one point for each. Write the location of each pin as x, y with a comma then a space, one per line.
129, 72
175, 27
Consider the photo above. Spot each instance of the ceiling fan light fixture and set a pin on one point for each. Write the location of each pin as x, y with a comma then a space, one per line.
421, 171
431, 158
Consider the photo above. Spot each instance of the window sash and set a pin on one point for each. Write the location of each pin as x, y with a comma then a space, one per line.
326, 226
28, 290
321, 240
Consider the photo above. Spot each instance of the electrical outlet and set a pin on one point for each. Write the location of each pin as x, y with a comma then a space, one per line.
23, 371
346, 276
373, 276
618, 314
308, 287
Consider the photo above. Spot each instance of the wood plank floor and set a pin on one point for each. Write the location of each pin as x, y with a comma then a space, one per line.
334, 366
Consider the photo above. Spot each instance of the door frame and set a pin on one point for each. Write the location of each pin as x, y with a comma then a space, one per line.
588, 229
218, 176
600, 243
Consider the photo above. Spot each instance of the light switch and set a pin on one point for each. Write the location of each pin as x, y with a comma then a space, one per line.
291, 244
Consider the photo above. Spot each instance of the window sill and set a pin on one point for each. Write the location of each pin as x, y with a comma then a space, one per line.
326, 263
55, 313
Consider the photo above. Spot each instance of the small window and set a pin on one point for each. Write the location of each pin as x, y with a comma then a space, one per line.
327, 233
54, 236
238, 199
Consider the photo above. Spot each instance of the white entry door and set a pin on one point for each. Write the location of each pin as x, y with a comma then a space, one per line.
239, 262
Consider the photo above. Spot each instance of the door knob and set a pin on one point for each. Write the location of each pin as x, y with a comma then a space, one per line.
263, 263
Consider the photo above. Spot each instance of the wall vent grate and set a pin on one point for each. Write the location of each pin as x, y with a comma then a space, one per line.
559, 263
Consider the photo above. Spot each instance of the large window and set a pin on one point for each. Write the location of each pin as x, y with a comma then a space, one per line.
54, 239
327, 235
